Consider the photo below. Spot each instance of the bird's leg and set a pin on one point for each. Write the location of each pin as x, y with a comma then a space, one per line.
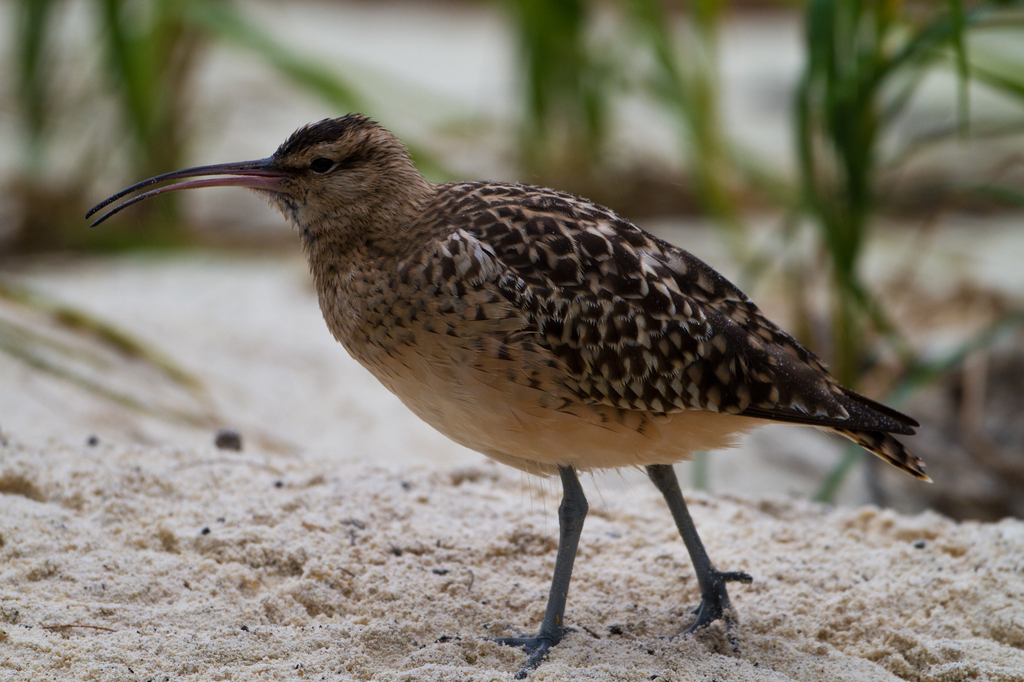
714, 603
571, 513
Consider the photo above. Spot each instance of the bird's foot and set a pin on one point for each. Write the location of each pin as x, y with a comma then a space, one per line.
536, 647
714, 603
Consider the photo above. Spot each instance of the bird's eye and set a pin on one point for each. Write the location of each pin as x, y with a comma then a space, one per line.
321, 165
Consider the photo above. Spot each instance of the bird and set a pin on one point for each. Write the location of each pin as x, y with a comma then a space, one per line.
540, 329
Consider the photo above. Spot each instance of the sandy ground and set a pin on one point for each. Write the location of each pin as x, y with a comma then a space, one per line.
159, 563
349, 541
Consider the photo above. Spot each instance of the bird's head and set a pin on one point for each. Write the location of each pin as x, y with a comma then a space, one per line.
343, 175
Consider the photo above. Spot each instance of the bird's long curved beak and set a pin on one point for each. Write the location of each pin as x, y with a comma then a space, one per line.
259, 174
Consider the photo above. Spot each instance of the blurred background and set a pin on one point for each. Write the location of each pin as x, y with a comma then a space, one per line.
856, 166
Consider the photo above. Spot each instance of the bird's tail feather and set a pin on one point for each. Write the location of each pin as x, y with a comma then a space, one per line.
889, 449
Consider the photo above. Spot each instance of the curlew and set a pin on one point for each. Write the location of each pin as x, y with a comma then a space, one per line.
540, 329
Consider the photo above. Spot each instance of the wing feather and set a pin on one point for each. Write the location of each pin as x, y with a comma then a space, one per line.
641, 324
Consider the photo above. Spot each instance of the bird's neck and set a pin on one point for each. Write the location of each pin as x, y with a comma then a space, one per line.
352, 252
381, 225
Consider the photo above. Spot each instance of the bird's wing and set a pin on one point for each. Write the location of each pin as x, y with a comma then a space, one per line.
640, 324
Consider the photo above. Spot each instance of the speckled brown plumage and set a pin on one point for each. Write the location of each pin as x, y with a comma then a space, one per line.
573, 310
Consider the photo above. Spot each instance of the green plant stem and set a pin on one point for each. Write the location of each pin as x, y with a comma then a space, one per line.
566, 84
688, 86
33, 23
852, 455
700, 471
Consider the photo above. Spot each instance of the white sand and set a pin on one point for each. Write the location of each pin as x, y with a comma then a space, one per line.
341, 572
139, 563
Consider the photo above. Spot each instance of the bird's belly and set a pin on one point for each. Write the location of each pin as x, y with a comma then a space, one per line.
515, 412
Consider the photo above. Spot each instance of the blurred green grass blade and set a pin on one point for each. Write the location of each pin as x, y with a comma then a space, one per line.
958, 25
649, 16
1013, 84
925, 43
826, 494
980, 130
20, 344
82, 323
924, 372
1005, 195
892, 109
551, 37
700, 471
129, 60
1000, 73
566, 83
819, 28
222, 20
149, 56
686, 80
32, 27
